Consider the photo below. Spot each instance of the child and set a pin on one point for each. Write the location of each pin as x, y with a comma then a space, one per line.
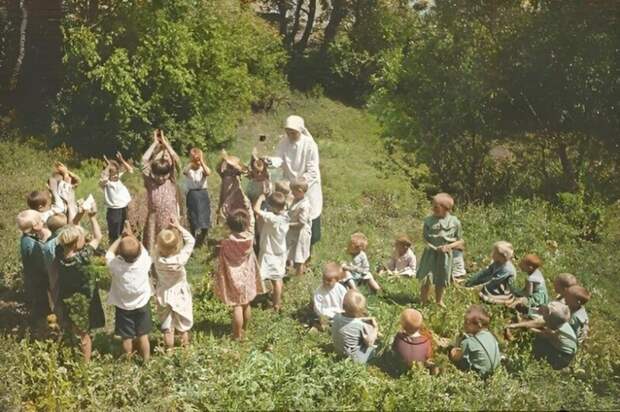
41, 202
273, 253
35, 276
238, 281
576, 297
116, 195
130, 292
414, 343
258, 174
478, 349
63, 184
174, 297
442, 233
232, 197
55, 223
328, 298
78, 290
300, 227
353, 333
284, 187
159, 162
561, 283
358, 270
198, 202
458, 263
403, 261
498, 278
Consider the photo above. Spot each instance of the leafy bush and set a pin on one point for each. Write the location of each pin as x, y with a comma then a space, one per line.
193, 68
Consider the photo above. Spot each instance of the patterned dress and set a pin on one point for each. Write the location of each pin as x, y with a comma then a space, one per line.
162, 206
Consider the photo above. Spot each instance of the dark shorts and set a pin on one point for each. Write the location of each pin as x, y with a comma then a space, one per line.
316, 231
133, 323
116, 219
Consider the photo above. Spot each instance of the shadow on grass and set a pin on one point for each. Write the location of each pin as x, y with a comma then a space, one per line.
400, 298
217, 329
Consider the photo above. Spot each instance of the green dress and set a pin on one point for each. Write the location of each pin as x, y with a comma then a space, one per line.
438, 232
480, 353
559, 350
79, 292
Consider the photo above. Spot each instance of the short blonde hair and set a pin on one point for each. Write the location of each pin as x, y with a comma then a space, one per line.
332, 268
359, 241
56, 221
411, 320
129, 249
354, 303
444, 200
300, 183
504, 248
70, 234
26, 219
282, 186
168, 242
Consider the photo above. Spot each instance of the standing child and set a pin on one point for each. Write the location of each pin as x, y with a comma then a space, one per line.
159, 162
300, 227
78, 288
414, 343
442, 233
238, 281
50, 248
403, 261
35, 276
498, 278
327, 299
576, 298
174, 297
353, 333
273, 253
198, 202
358, 270
478, 349
41, 201
130, 292
63, 183
115, 194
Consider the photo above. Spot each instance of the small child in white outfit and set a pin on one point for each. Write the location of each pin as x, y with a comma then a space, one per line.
358, 270
115, 194
300, 228
327, 299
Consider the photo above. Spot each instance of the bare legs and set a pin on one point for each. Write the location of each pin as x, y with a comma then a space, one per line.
439, 292
300, 268
86, 344
277, 294
241, 319
141, 343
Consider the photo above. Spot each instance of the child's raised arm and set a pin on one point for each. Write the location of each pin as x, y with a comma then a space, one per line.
175, 157
123, 162
97, 235
148, 155
257, 205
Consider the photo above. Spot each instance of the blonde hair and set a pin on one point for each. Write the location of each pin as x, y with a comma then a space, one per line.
69, 236
282, 186
168, 242
359, 241
403, 240
411, 320
129, 249
504, 248
26, 219
444, 200
299, 183
56, 221
558, 314
332, 268
354, 303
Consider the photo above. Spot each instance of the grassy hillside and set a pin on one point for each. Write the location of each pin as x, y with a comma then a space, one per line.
286, 365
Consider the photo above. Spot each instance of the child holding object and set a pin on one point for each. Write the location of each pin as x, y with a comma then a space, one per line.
173, 294
198, 202
300, 227
130, 292
115, 194
237, 280
358, 270
442, 233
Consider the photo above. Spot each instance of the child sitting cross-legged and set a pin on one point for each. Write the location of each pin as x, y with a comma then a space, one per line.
477, 349
576, 298
129, 264
414, 343
327, 299
353, 333
498, 278
358, 270
403, 261
173, 249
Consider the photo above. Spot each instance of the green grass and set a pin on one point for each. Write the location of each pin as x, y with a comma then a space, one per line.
285, 365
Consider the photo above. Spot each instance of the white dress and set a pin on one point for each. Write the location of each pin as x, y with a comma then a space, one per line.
298, 237
328, 302
273, 253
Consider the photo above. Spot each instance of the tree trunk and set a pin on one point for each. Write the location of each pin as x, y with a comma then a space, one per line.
282, 10
568, 169
297, 17
22, 46
303, 43
337, 15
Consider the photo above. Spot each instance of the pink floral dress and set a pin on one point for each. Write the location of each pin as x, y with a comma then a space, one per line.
163, 205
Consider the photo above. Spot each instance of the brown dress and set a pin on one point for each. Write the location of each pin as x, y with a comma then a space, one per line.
413, 348
163, 205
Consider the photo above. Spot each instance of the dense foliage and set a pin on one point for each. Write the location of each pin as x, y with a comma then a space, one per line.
190, 67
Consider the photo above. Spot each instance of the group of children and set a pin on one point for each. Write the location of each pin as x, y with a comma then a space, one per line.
560, 325
270, 235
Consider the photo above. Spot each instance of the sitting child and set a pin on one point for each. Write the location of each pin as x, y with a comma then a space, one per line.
576, 298
130, 292
173, 294
498, 278
358, 270
328, 298
478, 349
353, 333
115, 194
238, 280
78, 290
561, 283
414, 343
198, 201
35, 277
273, 253
403, 261
300, 227
443, 233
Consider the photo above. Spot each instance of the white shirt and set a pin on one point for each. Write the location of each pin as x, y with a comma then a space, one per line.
301, 159
131, 287
195, 179
115, 194
328, 302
